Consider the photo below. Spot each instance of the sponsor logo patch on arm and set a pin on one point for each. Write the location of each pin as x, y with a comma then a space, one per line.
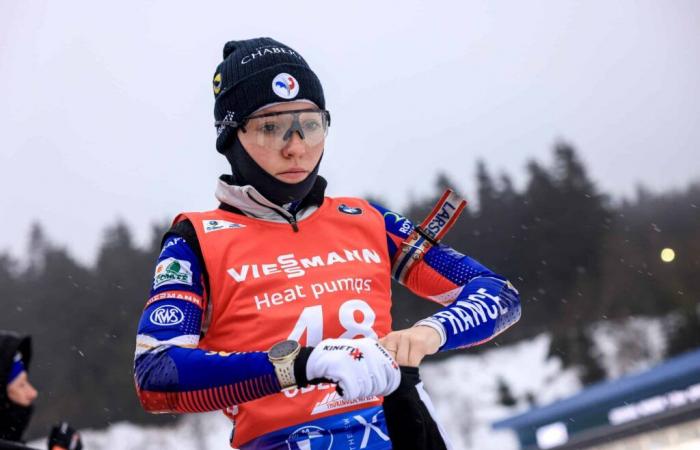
172, 271
177, 269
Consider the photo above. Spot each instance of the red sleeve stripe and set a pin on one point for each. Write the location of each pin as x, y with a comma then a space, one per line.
200, 398
186, 402
426, 281
245, 388
176, 295
237, 391
209, 399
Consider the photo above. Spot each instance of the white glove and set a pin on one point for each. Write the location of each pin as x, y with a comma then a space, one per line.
360, 367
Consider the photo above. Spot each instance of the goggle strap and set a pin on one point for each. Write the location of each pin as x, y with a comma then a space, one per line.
232, 123
227, 123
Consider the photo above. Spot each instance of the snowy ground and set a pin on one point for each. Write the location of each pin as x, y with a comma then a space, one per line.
463, 388
630, 346
209, 431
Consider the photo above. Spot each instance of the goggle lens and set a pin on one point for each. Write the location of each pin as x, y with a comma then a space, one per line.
273, 131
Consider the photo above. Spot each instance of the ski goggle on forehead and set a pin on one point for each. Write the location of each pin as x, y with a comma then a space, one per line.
273, 131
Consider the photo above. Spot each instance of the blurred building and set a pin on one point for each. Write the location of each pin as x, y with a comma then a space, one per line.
658, 409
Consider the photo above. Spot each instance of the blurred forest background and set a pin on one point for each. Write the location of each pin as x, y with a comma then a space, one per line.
577, 256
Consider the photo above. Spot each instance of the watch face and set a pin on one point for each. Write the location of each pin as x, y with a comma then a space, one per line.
282, 349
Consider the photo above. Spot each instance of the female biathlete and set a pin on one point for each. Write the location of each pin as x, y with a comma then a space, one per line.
275, 306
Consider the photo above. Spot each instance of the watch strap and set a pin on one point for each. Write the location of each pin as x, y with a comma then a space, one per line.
285, 373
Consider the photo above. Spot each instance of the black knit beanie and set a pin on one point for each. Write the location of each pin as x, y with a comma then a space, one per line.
255, 73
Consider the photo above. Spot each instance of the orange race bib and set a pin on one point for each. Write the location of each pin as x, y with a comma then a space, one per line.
268, 283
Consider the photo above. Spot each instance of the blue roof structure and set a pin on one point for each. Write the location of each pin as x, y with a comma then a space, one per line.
677, 372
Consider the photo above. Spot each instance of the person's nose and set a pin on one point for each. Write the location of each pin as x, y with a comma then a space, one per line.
32, 393
295, 146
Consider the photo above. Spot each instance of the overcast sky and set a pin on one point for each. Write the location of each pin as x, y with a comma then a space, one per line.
106, 107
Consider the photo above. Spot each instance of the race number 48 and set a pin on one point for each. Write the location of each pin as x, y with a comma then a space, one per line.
310, 322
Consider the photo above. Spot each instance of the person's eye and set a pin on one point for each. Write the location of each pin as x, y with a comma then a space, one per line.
312, 125
269, 127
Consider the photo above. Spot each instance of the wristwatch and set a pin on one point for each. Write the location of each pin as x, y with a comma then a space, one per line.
282, 356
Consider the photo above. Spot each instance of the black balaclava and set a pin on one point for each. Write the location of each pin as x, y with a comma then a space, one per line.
248, 79
14, 419
246, 171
